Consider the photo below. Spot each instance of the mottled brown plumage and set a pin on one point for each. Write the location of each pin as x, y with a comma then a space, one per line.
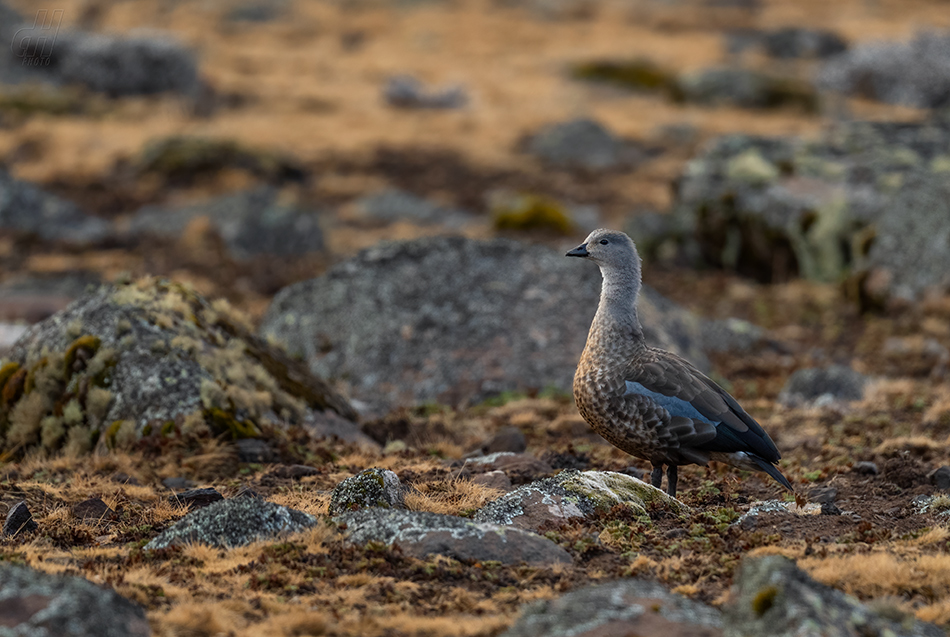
649, 402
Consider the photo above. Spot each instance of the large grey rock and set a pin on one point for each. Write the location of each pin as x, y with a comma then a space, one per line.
834, 383
772, 208
373, 487
28, 210
150, 358
455, 320
420, 534
771, 596
582, 144
914, 73
251, 223
36, 604
234, 522
625, 607
575, 494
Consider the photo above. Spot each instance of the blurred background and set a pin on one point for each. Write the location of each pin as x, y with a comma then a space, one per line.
242, 146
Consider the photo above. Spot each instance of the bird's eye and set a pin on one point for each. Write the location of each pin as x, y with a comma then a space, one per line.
604, 242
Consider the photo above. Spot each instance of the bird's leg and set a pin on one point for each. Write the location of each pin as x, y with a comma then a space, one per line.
656, 478
671, 480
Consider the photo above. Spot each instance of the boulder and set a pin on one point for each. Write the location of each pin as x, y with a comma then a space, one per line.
914, 73
625, 607
771, 596
152, 358
455, 320
39, 604
375, 487
233, 522
252, 223
575, 494
420, 534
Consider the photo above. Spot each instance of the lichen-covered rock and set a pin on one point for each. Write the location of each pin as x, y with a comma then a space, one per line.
463, 320
36, 604
625, 607
420, 534
575, 494
771, 596
774, 208
519, 467
27, 210
233, 522
375, 487
251, 223
746, 88
150, 358
582, 144
914, 73
834, 383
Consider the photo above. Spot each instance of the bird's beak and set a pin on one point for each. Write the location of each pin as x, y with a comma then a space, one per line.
579, 251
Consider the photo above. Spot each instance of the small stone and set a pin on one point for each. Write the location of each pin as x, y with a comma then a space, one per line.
821, 495
866, 468
830, 508
294, 471
19, 520
177, 483
521, 468
370, 488
93, 510
405, 91
124, 478
507, 439
255, 450
196, 498
940, 478
493, 480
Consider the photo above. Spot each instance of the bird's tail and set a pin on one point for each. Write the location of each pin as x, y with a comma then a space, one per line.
773, 471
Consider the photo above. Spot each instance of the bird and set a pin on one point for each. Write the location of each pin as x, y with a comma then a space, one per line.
649, 402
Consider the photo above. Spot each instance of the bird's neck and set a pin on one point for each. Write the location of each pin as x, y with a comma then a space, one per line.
617, 310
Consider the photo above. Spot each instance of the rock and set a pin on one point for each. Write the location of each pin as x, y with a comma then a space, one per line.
772, 508
19, 520
827, 210
624, 607
152, 358
801, 42
255, 450
177, 483
93, 510
507, 439
914, 73
391, 205
294, 472
405, 91
745, 88
866, 468
196, 498
519, 467
256, 12
824, 385
493, 480
432, 344
252, 223
582, 144
39, 604
420, 534
370, 488
823, 495
940, 478
574, 494
117, 66
233, 522
26, 210
773, 597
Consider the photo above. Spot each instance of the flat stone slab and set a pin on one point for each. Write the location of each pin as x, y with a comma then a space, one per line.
420, 534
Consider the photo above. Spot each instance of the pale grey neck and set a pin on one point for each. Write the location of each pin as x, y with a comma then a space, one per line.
618, 301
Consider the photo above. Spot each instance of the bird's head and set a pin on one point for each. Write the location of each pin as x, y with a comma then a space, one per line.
612, 250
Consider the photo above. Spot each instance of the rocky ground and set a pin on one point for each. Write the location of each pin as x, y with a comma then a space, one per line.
287, 337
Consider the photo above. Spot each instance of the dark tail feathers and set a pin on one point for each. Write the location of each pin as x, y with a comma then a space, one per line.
772, 470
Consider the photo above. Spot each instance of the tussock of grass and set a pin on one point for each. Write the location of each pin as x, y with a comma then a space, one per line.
880, 574
457, 497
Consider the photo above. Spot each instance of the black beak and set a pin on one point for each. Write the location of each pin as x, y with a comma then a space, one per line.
579, 251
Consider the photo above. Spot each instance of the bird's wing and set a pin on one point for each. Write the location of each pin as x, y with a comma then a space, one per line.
703, 415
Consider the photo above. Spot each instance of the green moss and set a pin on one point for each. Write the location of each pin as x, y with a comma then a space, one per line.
222, 422
639, 74
112, 431
168, 428
532, 212
88, 342
147, 430
764, 600
13, 385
